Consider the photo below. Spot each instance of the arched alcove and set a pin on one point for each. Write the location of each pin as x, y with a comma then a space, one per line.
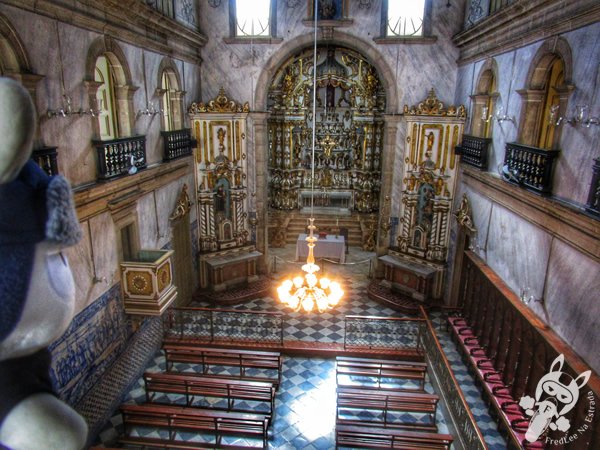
484, 99
123, 85
553, 56
348, 135
171, 95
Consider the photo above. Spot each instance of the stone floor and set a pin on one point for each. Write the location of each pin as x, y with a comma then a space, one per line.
305, 404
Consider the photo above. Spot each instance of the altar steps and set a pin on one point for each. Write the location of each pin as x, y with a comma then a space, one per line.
298, 225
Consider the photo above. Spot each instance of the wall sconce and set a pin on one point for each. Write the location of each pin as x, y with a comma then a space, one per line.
149, 111
501, 117
579, 117
485, 114
66, 110
527, 298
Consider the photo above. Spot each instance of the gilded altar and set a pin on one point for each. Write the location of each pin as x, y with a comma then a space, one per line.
428, 188
348, 135
221, 171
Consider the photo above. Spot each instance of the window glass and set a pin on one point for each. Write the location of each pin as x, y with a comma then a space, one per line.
166, 102
105, 99
405, 17
252, 17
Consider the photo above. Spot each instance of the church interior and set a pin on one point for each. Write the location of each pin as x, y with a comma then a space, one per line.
322, 224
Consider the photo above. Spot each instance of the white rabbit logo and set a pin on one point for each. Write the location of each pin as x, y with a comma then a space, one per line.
555, 395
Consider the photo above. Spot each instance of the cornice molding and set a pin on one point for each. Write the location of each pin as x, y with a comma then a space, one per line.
131, 21
91, 200
574, 227
523, 23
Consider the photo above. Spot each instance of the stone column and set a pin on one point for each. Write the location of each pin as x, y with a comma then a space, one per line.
388, 180
261, 203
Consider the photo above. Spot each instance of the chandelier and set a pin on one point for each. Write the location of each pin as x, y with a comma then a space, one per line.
305, 291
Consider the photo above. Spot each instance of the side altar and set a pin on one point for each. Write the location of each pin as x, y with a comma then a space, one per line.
227, 256
416, 267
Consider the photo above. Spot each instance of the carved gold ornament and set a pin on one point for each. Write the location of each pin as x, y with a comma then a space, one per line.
183, 204
220, 104
139, 283
463, 215
431, 106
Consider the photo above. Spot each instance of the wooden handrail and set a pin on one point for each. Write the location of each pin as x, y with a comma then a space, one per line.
457, 390
556, 343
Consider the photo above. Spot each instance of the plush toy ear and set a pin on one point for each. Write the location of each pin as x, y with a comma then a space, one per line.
17, 128
559, 361
583, 378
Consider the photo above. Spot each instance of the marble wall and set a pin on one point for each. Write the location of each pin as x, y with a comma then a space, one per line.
533, 259
416, 67
100, 331
72, 135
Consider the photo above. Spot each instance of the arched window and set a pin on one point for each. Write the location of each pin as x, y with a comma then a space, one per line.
484, 101
548, 85
105, 100
554, 82
165, 85
171, 95
110, 89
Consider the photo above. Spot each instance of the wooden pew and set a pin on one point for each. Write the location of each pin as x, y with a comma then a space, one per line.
193, 386
381, 369
269, 362
351, 401
176, 419
363, 437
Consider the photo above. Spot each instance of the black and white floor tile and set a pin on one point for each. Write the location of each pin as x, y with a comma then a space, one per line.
305, 405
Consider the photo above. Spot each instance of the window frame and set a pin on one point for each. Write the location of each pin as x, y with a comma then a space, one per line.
425, 38
271, 38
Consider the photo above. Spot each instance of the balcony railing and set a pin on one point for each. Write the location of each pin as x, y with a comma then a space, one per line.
45, 157
166, 7
593, 202
530, 167
120, 156
178, 143
474, 151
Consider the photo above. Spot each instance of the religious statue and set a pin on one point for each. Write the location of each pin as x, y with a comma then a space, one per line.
463, 215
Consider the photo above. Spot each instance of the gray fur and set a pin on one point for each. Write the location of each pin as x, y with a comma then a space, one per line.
62, 225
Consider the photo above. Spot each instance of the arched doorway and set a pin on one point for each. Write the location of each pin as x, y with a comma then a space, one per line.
350, 102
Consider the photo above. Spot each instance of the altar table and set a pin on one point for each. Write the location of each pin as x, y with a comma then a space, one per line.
330, 247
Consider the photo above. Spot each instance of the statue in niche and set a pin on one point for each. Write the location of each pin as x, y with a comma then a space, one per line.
426, 194
221, 194
330, 97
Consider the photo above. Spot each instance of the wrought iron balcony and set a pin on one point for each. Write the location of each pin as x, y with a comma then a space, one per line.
120, 156
45, 157
178, 143
530, 167
474, 151
593, 202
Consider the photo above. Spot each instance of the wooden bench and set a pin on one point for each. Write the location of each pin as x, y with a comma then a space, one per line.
362, 437
351, 402
193, 386
269, 363
176, 419
381, 369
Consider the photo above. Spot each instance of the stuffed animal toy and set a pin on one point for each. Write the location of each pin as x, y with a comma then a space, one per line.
37, 291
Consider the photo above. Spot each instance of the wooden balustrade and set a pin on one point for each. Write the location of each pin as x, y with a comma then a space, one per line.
118, 157
474, 151
520, 349
530, 167
45, 157
177, 143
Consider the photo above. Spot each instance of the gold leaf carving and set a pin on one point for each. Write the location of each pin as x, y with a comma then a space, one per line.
221, 103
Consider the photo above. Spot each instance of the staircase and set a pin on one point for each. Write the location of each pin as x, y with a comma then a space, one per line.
299, 222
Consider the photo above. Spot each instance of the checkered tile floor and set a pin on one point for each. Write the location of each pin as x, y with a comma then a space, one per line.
305, 403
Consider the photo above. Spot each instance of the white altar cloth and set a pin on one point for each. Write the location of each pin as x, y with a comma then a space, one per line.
330, 247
